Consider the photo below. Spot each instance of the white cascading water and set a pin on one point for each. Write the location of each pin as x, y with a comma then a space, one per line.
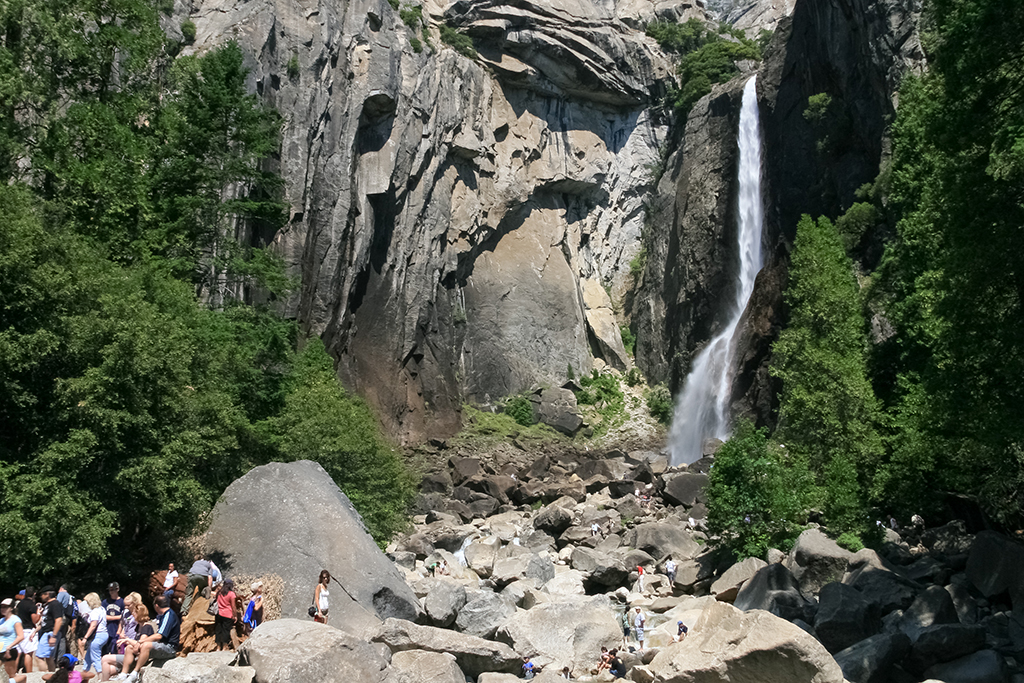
702, 411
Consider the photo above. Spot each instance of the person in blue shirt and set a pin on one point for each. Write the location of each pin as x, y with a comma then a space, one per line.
164, 644
527, 668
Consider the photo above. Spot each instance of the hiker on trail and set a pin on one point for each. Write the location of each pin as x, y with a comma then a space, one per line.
624, 621
26, 611
96, 636
227, 613
321, 597
200, 577
594, 529
11, 633
114, 607
527, 668
670, 571
50, 623
680, 633
254, 610
164, 644
170, 578
638, 626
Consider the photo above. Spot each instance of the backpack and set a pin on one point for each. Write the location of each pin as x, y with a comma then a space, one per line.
71, 609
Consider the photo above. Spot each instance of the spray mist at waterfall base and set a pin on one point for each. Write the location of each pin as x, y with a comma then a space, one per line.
702, 410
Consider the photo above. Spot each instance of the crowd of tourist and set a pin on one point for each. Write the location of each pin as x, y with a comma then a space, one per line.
114, 637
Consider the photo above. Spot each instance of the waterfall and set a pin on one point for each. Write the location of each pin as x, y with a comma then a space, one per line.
702, 411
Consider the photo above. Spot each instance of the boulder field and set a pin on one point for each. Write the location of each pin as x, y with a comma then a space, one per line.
547, 567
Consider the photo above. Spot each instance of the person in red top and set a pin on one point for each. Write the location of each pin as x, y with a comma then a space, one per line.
227, 613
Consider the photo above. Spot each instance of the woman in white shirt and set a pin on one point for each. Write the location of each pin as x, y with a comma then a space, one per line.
321, 597
96, 637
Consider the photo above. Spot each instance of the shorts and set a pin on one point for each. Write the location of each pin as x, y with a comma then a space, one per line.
162, 651
640, 635
625, 632
28, 645
45, 648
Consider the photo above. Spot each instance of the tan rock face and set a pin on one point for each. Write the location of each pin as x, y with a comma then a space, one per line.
745, 647
445, 211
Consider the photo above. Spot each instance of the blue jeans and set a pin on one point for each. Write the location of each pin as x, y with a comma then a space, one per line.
95, 654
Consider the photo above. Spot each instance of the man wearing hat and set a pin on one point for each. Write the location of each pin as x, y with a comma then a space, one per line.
50, 623
113, 606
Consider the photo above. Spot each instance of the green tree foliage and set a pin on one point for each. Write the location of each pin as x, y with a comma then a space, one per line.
321, 422
458, 41
757, 494
679, 38
520, 409
828, 411
954, 272
659, 403
134, 385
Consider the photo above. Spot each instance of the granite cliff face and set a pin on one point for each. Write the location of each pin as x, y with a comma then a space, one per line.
463, 227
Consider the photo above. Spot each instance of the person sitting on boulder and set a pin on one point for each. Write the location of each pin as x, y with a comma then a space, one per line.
618, 669
527, 668
321, 597
170, 579
66, 673
161, 645
681, 633
606, 661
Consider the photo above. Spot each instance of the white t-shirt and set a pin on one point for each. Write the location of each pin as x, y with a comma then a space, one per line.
99, 615
169, 579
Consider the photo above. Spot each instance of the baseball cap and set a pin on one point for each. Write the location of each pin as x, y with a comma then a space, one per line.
20, 594
678, 622
46, 589
113, 586
7, 602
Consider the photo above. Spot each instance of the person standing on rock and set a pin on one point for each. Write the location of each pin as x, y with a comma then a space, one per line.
200, 578
625, 627
321, 597
640, 577
638, 626
227, 613
670, 571
527, 668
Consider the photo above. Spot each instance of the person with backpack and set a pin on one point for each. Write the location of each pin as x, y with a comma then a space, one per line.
70, 607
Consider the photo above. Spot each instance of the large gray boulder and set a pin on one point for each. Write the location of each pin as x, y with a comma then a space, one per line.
844, 617
774, 589
292, 520
556, 407
994, 565
530, 565
932, 606
559, 634
420, 666
294, 651
445, 597
729, 645
481, 553
879, 582
474, 655
201, 667
944, 643
484, 613
816, 560
661, 539
553, 519
871, 660
728, 585
685, 488
600, 568
984, 666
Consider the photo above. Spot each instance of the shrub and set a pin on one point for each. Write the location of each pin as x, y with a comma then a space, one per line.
714, 62
679, 38
412, 16
570, 373
850, 541
458, 41
394, 4
633, 377
637, 264
756, 494
659, 403
628, 339
857, 220
293, 67
188, 32
417, 46
520, 409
